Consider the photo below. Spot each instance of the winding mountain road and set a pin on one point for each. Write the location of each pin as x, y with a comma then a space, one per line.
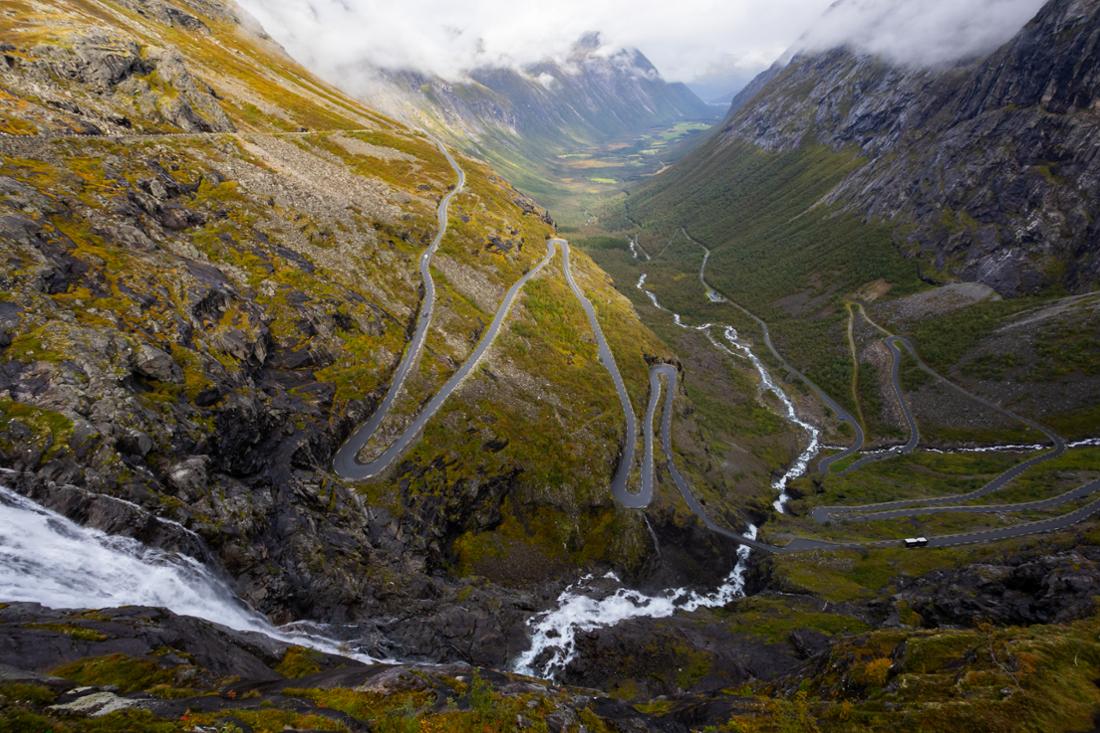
664, 380
903, 404
346, 462
1072, 495
669, 374
827, 513
619, 487
886, 510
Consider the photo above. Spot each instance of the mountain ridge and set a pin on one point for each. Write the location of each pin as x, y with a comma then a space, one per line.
591, 95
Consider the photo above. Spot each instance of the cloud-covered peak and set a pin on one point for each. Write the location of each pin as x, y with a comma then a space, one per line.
920, 32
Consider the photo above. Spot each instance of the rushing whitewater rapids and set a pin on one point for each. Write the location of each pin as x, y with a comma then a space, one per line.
45, 558
554, 632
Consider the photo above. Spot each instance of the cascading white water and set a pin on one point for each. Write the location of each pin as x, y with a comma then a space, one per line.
813, 446
768, 384
45, 558
554, 632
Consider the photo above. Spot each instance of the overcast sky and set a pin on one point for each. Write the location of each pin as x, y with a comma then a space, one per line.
711, 43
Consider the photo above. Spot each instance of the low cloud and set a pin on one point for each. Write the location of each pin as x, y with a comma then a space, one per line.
691, 40
920, 32
686, 41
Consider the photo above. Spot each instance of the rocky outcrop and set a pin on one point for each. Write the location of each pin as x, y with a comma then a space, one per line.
191, 324
1056, 588
99, 80
987, 168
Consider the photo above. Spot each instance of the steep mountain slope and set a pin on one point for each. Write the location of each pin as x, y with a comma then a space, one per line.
197, 308
210, 275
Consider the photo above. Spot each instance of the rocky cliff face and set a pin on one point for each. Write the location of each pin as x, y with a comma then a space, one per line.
988, 169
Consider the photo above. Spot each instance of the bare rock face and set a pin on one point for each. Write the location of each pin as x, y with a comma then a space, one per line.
114, 72
990, 167
1056, 588
193, 106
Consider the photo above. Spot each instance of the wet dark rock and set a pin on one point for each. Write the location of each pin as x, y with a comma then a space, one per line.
136, 632
807, 642
110, 514
189, 477
180, 19
663, 655
57, 268
9, 321
134, 442
294, 257
175, 217
227, 671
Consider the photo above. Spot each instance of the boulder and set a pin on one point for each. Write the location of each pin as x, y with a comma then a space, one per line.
153, 363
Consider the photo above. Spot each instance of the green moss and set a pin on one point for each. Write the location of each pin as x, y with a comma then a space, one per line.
18, 693
366, 706
51, 429
692, 666
270, 720
38, 344
81, 633
773, 619
299, 662
20, 720
128, 674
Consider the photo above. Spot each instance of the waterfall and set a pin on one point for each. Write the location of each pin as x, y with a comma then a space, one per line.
48, 559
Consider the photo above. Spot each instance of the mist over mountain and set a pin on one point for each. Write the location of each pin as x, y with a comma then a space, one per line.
926, 33
704, 42
696, 40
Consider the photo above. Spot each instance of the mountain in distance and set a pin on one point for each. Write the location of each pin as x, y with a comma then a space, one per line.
837, 169
212, 273
527, 121
591, 95
869, 284
919, 244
